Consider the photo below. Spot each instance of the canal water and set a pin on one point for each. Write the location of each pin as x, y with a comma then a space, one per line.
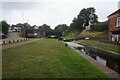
109, 61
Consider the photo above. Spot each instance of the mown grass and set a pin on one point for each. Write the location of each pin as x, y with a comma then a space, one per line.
46, 58
111, 47
84, 33
71, 34
96, 35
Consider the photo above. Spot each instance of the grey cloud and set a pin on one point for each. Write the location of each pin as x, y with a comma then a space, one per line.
18, 5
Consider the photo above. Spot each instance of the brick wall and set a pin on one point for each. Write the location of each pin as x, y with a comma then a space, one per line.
112, 25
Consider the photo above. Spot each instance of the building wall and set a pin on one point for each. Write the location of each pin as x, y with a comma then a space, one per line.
113, 27
112, 24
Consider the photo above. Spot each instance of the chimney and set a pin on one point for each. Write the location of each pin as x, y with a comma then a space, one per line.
119, 5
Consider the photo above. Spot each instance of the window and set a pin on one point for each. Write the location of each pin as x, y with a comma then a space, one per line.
118, 21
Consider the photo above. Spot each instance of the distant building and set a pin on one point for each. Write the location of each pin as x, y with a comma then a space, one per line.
15, 28
114, 26
32, 33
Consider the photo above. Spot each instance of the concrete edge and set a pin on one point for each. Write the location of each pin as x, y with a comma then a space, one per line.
109, 72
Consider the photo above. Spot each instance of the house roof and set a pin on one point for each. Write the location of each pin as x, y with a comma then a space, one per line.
116, 12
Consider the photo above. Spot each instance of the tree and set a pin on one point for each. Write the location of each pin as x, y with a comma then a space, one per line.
4, 26
45, 28
100, 27
85, 15
81, 21
61, 28
77, 23
34, 27
83, 18
24, 26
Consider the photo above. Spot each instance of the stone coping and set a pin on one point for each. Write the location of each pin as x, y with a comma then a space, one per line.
109, 72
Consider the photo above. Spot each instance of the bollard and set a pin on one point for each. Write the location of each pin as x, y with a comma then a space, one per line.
9, 42
17, 40
4, 42
21, 40
66, 44
13, 41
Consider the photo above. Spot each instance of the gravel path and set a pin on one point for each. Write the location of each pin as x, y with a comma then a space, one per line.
13, 35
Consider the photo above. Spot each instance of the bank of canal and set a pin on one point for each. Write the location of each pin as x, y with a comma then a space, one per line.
104, 58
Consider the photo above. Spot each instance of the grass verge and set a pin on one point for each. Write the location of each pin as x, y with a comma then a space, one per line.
46, 58
111, 47
94, 35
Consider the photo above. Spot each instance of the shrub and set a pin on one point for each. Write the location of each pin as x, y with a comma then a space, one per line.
99, 27
4, 27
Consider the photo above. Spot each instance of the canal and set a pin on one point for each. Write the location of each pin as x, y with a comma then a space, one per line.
103, 58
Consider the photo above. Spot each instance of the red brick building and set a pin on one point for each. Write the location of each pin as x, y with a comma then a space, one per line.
114, 26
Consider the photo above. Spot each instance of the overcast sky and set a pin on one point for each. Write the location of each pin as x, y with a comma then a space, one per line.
52, 12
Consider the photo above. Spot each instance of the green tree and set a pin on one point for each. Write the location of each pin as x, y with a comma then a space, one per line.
77, 23
61, 28
4, 26
83, 18
45, 28
100, 27
85, 15
24, 26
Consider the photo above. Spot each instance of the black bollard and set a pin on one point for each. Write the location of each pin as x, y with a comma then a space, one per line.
17, 40
66, 44
4, 42
13, 41
9, 41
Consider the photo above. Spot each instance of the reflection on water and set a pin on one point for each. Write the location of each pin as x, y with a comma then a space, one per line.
101, 60
106, 60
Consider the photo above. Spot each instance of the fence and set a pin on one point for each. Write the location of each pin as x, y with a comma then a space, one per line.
14, 41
